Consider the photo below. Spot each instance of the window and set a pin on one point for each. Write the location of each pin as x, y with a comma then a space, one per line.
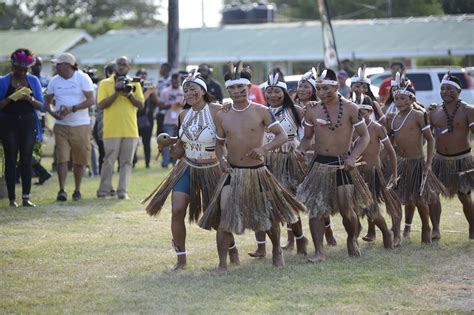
421, 81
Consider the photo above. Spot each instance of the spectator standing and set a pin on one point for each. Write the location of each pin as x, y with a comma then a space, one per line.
19, 122
73, 94
344, 90
171, 100
145, 115
384, 89
119, 97
164, 82
213, 87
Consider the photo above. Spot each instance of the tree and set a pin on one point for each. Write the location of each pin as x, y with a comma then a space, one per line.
13, 17
95, 16
457, 6
352, 9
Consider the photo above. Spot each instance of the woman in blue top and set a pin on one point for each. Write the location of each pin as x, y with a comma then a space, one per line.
19, 122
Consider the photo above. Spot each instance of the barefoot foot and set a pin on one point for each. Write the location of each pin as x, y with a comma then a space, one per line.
316, 258
369, 237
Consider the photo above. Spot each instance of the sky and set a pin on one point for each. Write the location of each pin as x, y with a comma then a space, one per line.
190, 13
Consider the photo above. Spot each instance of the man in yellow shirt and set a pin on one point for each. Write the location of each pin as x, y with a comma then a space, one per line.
120, 98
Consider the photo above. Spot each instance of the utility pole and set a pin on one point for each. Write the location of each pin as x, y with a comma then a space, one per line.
389, 8
173, 34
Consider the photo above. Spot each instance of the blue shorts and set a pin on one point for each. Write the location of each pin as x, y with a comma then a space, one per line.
184, 183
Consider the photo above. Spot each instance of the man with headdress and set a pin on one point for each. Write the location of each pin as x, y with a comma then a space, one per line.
453, 162
417, 185
333, 184
360, 87
371, 171
248, 196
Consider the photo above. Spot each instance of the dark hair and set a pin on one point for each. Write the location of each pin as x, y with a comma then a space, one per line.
330, 74
140, 72
109, 69
246, 73
397, 63
175, 76
288, 103
92, 73
165, 64
281, 76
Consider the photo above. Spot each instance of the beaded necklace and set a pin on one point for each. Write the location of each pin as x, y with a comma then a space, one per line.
403, 122
339, 115
450, 119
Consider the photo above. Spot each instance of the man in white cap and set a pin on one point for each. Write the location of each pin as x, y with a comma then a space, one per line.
72, 92
453, 162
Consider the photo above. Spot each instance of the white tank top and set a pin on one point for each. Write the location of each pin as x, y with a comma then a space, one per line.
198, 133
285, 117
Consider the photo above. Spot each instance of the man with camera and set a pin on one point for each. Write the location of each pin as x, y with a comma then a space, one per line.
119, 97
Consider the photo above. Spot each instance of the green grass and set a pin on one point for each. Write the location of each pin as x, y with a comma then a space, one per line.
109, 256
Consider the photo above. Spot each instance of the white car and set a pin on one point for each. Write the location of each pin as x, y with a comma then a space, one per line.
427, 82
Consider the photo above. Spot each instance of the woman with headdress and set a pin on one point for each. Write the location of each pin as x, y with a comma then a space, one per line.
20, 97
193, 180
283, 162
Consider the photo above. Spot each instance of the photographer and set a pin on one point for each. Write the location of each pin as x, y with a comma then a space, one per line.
119, 97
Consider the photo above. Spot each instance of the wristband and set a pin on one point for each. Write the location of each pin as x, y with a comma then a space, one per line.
74, 109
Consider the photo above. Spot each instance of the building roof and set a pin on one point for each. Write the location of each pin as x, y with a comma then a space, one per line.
43, 43
361, 39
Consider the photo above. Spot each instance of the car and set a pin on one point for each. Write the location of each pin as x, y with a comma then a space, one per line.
427, 83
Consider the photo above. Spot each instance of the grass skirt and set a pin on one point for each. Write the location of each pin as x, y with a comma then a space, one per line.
203, 182
410, 172
447, 170
318, 191
286, 168
375, 180
256, 201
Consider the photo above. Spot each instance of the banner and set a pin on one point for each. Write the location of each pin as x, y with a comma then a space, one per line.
331, 59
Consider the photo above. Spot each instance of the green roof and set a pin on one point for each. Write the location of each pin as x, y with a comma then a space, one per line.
43, 43
361, 39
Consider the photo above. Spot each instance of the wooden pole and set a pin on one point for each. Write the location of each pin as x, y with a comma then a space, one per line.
173, 34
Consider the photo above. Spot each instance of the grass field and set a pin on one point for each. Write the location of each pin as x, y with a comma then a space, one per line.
108, 256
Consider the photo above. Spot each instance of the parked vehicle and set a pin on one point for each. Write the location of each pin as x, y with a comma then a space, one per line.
427, 83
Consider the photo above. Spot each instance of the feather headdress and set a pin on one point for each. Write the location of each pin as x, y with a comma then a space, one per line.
236, 75
195, 76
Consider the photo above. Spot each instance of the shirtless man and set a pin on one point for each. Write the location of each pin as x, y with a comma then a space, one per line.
417, 185
333, 184
250, 197
452, 122
372, 173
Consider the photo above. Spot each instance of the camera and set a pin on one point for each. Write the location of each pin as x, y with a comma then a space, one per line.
126, 86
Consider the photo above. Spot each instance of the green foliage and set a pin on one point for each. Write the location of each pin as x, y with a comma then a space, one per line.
97, 16
368, 9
